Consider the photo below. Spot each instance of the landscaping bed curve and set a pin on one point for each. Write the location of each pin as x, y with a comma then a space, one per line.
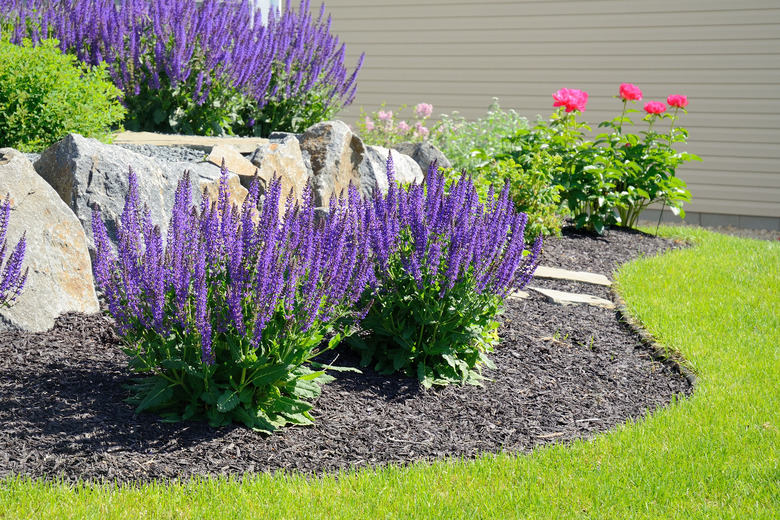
562, 373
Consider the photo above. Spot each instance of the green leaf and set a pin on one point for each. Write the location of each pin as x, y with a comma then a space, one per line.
174, 364
159, 116
246, 394
270, 374
227, 401
159, 394
211, 395
189, 411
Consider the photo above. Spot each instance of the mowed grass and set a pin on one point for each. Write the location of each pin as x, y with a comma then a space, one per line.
715, 455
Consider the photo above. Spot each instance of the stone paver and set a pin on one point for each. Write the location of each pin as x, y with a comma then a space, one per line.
244, 145
565, 298
518, 295
576, 276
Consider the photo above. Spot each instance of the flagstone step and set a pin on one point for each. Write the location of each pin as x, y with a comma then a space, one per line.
243, 144
554, 273
566, 298
517, 294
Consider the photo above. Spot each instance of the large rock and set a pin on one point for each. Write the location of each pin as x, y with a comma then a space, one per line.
85, 173
204, 178
283, 158
373, 169
337, 158
333, 155
424, 154
60, 272
233, 160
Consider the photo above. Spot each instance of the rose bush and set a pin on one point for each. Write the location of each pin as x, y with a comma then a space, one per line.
611, 179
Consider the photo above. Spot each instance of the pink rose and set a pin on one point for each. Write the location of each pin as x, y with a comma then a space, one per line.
677, 101
423, 110
403, 126
629, 92
572, 99
385, 116
655, 107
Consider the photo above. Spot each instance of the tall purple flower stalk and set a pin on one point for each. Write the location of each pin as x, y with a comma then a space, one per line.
12, 280
148, 43
445, 263
443, 237
226, 272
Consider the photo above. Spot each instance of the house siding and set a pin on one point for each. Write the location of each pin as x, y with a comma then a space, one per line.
725, 56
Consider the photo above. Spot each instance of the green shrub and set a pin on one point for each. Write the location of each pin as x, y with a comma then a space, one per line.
532, 188
466, 144
45, 95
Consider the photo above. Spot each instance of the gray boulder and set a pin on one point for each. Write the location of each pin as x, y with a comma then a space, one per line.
332, 153
60, 272
424, 154
86, 173
336, 158
373, 169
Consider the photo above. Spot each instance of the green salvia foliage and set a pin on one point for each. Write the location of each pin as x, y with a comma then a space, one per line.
441, 339
445, 263
224, 322
45, 95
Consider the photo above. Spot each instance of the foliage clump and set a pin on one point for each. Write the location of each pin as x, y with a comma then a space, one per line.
445, 262
209, 69
226, 315
45, 95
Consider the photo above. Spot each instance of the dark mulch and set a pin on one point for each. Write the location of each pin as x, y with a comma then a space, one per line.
563, 373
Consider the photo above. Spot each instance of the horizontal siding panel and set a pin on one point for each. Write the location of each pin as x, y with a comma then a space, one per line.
571, 8
638, 75
626, 49
583, 35
424, 20
734, 207
762, 195
532, 61
728, 178
736, 165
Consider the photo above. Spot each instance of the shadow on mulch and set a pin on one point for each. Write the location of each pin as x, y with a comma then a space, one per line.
563, 373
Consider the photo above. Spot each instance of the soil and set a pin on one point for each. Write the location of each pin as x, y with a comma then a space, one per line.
563, 373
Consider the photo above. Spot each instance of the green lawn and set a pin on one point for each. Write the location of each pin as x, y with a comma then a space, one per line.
715, 455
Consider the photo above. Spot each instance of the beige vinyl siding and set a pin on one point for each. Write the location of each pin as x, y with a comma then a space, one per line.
457, 55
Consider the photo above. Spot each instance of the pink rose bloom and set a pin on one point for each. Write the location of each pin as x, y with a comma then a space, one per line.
403, 126
571, 98
677, 101
423, 110
385, 116
655, 107
629, 92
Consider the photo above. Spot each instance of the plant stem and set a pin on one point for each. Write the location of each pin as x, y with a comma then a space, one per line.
622, 115
671, 128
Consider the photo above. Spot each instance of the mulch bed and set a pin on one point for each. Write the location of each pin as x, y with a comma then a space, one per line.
563, 373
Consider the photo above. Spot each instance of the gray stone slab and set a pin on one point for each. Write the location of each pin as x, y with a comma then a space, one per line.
518, 295
564, 298
244, 145
553, 273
